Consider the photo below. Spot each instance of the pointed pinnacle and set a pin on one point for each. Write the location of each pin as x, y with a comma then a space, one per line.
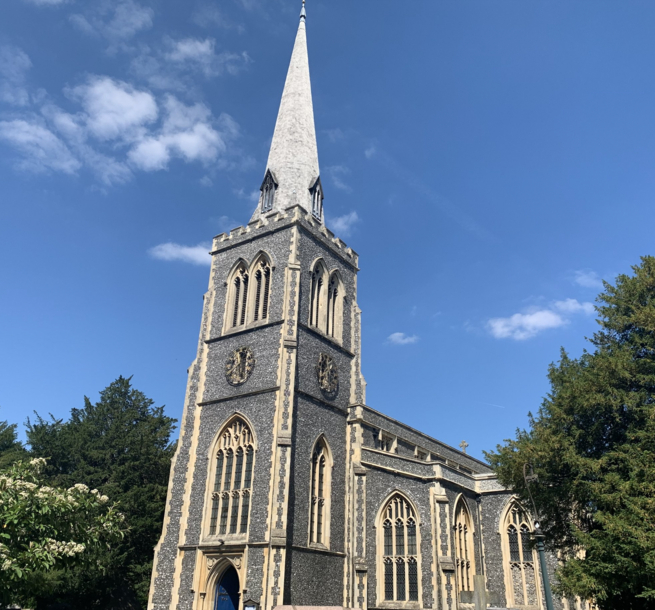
303, 13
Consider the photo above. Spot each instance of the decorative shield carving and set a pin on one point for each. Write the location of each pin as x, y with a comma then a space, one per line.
239, 366
328, 376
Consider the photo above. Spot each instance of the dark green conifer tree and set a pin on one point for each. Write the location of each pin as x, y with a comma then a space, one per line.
592, 445
11, 449
121, 446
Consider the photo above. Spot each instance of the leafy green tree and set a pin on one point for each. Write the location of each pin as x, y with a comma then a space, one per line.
122, 446
592, 445
11, 450
46, 530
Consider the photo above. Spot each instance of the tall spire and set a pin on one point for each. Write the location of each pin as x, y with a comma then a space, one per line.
292, 171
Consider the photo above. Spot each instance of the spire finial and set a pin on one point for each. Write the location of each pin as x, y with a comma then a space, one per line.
303, 12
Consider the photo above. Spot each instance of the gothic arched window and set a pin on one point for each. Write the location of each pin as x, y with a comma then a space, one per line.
334, 315
398, 551
464, 547
519, 559
237, 300
232, 480
318, 297
317, 199
261, 274
268, 188
319, 518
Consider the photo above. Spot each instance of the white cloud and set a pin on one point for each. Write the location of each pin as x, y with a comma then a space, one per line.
522, 326
117, 22
343, 225
41, 149
337, 173
186, 133
14, 64
252, 196
196, 255
115, 109
371, 151
402, 339
574, 306
335, 135
588, 279
201, 55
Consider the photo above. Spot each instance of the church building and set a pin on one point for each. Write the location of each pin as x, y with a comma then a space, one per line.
287, 488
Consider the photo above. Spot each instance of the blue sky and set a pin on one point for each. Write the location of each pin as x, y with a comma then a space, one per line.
490, 161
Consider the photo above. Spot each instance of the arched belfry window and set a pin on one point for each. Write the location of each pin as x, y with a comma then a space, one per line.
237, 301
317, 199
318, 297
398, 551
519, 559
320, 486
464, 547
268, 188
334, 313
231, 480
261, 274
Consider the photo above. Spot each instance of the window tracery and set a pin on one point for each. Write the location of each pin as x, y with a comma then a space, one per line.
233, 475
249, 293
262, 275
319, 517
464, 547
318, 296
398, 551
519, 559
334, 307
238, 298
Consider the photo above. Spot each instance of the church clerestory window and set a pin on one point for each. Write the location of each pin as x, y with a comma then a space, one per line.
464, 547
268, 188
519, 559
399, 551
232, 480
319, 518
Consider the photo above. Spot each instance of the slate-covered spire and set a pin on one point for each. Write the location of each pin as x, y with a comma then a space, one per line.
292, 172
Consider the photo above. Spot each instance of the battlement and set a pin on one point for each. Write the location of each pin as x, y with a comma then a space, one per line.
276, 221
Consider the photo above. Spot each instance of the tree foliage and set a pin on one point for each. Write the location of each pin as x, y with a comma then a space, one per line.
592, 445
11, 450
120, 445
46, 530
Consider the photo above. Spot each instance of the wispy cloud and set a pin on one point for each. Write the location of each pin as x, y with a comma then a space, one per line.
14, 65
343, 225
402, 339
115, 21
447, 208
119, 129
47, 2
42, 151
210, 16
200, 54
337, 174
195, 255
522, 326
588, 279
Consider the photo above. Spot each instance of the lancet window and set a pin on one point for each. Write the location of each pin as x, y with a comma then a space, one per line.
268, 189
464, 547
262, 277
232, 480
319, 518
317, 199
399, 551
334, 307
238, 298
519, 559
318, 296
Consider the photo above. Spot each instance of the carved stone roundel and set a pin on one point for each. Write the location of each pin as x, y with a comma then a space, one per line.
327, 374
239, 366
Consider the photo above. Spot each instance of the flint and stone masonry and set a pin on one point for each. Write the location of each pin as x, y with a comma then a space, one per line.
287, 489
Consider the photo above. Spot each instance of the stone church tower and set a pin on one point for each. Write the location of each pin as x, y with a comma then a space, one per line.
286, 488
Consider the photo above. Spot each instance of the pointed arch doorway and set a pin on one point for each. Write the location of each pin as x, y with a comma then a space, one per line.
227, 591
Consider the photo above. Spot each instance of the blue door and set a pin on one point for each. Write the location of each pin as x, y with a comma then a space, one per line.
227, 591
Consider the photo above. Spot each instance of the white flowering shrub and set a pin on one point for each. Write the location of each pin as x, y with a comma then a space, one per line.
43, 528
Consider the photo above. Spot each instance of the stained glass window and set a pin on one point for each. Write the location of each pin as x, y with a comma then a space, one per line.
464, 546
319, 489
519, 563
